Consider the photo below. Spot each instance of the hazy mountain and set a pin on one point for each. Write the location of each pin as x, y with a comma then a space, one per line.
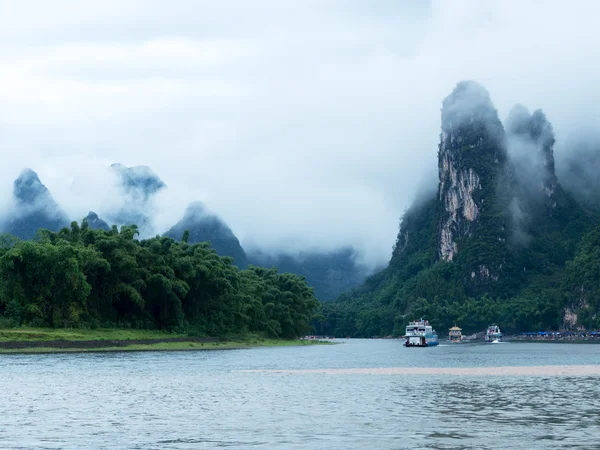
204, 226
34, 208
138, 185
491, 244
328, 273
96, 222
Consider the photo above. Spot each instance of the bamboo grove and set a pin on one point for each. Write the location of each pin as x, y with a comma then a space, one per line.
81, 277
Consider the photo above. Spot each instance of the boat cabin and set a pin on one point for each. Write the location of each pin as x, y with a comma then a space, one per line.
420, 333
455, 334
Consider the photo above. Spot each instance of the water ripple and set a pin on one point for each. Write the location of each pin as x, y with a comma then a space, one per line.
531, 396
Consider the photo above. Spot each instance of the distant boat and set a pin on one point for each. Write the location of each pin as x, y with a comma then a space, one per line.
455, 334
493, 334
420, 334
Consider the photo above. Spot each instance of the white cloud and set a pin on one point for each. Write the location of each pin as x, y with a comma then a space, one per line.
302, 123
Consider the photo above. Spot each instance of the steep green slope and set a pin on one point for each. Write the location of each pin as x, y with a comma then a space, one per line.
581, 283
491, 246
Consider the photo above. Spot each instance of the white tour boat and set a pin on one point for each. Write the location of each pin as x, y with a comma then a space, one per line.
420, 334
493, 335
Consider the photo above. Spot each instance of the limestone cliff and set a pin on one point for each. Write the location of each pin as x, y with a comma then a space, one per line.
471, 157
492, 243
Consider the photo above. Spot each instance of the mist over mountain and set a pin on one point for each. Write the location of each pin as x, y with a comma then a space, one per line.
138, 186
578, 167
204, 226
33, 208
95, 222
328, 273
491, 245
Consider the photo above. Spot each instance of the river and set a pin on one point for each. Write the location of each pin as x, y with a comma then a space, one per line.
462, 396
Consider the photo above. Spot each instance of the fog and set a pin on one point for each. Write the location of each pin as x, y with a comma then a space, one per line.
303, 124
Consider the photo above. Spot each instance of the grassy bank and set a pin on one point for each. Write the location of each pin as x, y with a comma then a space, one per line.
37, 340
71, 334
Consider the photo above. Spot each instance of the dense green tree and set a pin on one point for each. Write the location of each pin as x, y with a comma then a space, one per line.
84, 277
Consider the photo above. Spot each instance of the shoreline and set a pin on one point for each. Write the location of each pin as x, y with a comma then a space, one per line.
161, 347
42, 341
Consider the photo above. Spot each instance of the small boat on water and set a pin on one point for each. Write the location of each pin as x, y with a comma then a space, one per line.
493, 335
420, 334
455, 334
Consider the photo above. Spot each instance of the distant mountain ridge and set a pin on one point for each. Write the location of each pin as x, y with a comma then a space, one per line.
328, 273
95, 222
204, 226
34, 208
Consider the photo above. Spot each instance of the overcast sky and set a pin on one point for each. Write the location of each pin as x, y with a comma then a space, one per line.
304, 124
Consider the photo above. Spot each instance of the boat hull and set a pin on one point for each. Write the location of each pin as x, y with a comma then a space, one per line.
420, 342
427, 344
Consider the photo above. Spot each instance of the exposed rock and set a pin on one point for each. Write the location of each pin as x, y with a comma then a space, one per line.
471, 131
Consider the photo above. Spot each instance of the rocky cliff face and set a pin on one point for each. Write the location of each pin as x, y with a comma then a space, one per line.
34, 208
471, 156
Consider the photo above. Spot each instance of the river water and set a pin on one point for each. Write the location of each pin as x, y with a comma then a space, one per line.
364, 394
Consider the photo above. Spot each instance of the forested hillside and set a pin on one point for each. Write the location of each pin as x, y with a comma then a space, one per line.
204, 226
492, 244
328, 273
81, 277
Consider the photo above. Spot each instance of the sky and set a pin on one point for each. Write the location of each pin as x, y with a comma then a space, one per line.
304, 124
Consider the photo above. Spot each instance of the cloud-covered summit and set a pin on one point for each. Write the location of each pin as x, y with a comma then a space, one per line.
304, 124
33, 208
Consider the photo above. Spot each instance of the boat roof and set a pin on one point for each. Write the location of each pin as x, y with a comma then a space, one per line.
455, 328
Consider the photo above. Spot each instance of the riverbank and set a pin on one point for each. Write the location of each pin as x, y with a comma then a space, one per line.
32, 340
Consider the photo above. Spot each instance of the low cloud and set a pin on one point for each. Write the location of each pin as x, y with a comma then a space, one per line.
303, 124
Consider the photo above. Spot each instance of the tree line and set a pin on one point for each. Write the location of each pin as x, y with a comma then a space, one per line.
82, 277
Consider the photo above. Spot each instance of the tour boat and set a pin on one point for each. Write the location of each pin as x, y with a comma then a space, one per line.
493, 334
420, 334
455, 334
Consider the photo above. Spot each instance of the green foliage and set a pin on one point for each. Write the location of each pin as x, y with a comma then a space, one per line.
581, 282
80, 277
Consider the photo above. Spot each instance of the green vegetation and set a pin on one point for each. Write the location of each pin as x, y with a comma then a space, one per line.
85, 278
539, 284
82, 334
170, 346
510, 243
581, 282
